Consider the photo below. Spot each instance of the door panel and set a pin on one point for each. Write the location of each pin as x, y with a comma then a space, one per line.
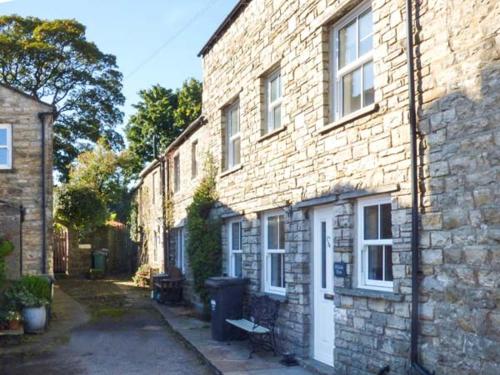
324, 329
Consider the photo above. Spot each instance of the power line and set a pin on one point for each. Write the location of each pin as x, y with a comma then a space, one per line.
172, 38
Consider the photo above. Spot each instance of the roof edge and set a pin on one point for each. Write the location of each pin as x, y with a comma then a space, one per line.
28, 96
228, 21
195, 125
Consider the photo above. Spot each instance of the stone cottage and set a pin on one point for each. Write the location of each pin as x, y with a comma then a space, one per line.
26, 181
359, 174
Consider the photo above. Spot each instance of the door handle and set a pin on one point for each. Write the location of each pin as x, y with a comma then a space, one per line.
329, 296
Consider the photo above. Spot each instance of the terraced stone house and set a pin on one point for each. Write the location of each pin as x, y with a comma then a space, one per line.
359, 175
26, 181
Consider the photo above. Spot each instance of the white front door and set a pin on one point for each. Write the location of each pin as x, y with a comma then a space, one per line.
324, 329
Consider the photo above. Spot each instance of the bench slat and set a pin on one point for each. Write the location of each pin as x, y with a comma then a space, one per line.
248, 326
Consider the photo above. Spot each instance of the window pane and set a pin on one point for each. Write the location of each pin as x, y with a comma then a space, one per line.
236, 151
371, 222
237, 258
385, 221
4, 157
3, 137
277, 117
277, 270
388, 263
272, 232
368, 92
351, 88
375, 262
347, 44
281, 232
235, 235
275, 89
323, 254
365, 32
235, 126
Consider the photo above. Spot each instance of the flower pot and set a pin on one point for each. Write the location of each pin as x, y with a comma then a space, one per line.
34, 318
15, 325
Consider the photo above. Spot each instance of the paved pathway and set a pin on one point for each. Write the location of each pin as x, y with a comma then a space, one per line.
124, 335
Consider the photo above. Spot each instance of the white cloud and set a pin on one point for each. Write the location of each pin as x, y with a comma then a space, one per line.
5, 1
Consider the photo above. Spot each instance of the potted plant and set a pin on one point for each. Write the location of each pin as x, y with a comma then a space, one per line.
33, 311
14, 320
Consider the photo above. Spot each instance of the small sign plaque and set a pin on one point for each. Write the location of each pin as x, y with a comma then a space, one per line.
339, 269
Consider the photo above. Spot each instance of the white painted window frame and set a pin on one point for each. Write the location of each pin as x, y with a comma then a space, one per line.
271, 105
232, 138
268, 288
181, 249
232, 251
8, 146
336, 73
362, 251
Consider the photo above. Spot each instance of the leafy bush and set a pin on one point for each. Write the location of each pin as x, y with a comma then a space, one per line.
19, 296
38, 286
6, 248
204, 233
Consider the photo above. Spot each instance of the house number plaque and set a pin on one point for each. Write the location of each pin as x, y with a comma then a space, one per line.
339, 269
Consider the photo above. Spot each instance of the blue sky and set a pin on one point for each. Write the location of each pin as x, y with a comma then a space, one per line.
133, 30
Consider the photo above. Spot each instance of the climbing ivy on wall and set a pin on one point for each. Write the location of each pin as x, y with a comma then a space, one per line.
204, 232
6, 248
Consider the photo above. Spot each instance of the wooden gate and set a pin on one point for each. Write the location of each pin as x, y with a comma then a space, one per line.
61, 248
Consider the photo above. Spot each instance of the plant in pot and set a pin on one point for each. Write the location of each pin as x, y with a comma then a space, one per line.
32, 307
14, 320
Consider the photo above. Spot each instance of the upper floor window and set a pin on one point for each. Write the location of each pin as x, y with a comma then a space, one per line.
233, 138
375, 243
5, 146
235, 248
274, 98
194, 159
274, 253
353, 62
155, 179
177, 173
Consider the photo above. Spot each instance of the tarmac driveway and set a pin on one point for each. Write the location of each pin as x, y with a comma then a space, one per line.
123, 334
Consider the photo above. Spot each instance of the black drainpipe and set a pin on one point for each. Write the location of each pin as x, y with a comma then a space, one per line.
42, 116
415, 365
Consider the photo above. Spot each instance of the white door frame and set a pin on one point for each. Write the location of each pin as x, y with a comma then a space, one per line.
323, 305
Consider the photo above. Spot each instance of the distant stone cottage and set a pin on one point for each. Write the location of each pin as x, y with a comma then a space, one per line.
26, 181
306, 109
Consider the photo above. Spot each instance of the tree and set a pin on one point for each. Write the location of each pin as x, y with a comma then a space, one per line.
53, 61
163, 113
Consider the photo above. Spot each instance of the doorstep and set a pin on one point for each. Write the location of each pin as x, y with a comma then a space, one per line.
228, 358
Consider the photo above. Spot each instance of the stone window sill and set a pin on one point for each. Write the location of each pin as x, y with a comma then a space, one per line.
349, 118
271, 134
231, 171
369, 293
277, 297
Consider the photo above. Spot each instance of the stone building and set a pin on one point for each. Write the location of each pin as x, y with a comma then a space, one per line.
26, 181
306, 110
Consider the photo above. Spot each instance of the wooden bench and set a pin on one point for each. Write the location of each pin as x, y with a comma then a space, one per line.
261, 323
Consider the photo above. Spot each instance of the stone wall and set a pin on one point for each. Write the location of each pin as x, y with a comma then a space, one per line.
313, 160
21, 185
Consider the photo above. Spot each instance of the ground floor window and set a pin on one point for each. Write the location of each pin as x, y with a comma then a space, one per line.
235, 248
180, 249
274, 252
375, 243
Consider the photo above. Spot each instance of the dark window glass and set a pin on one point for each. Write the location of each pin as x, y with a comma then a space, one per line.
371, 222
375, 262
323, 254
388, 263
385, 221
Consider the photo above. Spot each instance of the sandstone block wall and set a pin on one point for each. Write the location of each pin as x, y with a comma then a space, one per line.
22, 184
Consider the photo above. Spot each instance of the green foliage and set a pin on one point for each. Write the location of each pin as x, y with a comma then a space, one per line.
204, 232
6, 248
20, 296
80, 208
52, 60
36, 285
163, 113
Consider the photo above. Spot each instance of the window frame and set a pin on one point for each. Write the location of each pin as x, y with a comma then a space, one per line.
336, 94
270, 126
8, 147
177, 173
362, 251
230, 140
232, 252
266, 263
180, 249
194, 159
